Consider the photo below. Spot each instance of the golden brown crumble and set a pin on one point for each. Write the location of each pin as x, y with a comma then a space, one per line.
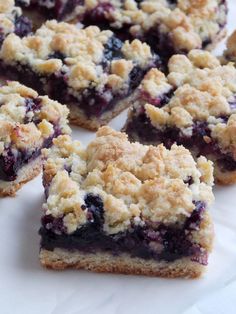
203, 90
83, 51
188, 23
17, 127
136, 182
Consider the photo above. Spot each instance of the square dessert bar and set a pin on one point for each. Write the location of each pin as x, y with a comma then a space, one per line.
28, 123
125, 207
167, 26
193, 105
12, 20
91, 71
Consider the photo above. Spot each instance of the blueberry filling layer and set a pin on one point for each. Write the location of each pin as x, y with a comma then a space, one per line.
152, 241
11, 160
140, 128
91, 101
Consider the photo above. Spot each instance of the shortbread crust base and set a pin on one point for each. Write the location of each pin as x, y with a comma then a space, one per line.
224, 178
78, 118
60, 259
25, 174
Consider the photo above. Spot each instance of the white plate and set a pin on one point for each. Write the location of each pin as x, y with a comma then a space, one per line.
26, 288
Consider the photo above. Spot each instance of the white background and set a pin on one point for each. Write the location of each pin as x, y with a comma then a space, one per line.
26, 288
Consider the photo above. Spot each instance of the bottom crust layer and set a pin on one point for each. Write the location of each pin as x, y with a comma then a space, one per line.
77, 117
60, 259
25, 174
224, 178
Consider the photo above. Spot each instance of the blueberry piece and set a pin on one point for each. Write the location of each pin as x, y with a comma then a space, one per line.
23, 26
112, 49
98, 14
57, 55
95, 209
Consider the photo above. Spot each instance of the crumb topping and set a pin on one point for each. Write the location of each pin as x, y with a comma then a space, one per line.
77, 55
137, 183
203, 90
26, 119
188, 23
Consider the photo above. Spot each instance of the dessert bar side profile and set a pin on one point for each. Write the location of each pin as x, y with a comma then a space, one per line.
124, 207
28, 123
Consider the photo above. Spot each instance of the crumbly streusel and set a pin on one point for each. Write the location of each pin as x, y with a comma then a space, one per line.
135, 181
188, 23
82, 51
25, 128
203, 90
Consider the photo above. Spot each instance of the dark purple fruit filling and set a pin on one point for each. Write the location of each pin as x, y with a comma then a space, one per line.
112, 49
32, 105
65, 8
153, 241
141, 129
99, 15
161, 43
57, 55
24, 75
23, 26
159, 101
20, 3
12, 161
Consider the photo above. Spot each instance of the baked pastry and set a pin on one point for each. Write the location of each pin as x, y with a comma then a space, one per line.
168, 26
193, 105
28, 123
12, 20
230, 52
91, 71
124, 207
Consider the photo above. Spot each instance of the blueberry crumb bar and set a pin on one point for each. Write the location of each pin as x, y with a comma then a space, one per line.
28, 123
12, 20
168, 26
91, 71
125, 207
193, 105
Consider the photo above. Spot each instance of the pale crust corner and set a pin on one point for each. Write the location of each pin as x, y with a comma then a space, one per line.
28, 173
60, 259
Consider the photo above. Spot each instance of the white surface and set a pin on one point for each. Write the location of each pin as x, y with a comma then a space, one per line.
26, 288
